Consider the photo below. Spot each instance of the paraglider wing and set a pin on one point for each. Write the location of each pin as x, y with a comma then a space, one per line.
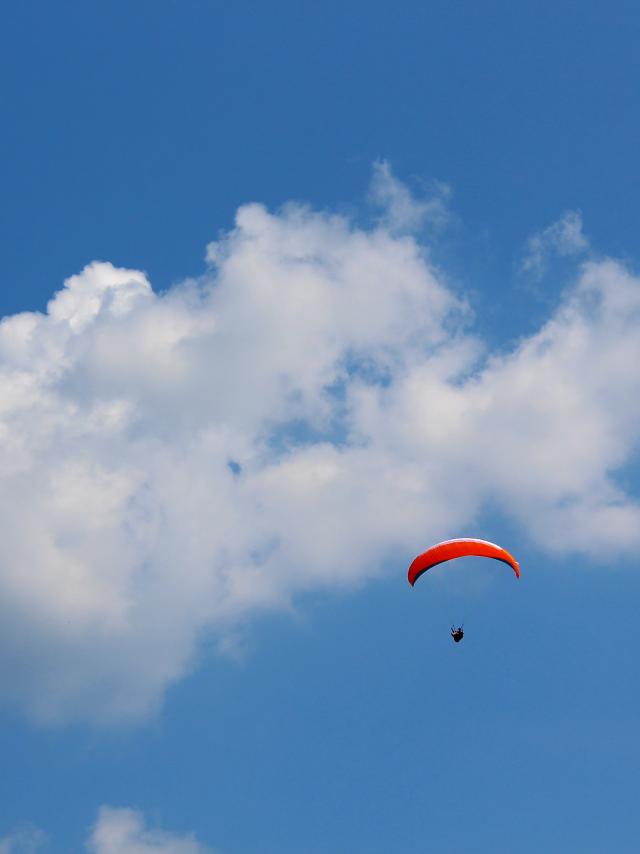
450, 549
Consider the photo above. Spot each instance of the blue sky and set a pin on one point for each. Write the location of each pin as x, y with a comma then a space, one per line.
290, 293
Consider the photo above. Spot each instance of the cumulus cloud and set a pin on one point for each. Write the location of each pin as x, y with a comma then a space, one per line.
316, 402
564, 237
123, 831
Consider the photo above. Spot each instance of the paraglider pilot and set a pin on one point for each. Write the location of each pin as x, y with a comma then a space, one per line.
457, 634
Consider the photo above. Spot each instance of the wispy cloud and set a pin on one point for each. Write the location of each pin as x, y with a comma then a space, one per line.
402, 211
117, 830
123, 831
315, 403
564, 237
26, 840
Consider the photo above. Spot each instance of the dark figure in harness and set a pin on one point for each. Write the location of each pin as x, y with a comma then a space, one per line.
457, 634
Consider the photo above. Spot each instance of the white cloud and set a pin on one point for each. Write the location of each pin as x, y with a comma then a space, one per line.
314, 404
564, 238
402, 212
27, 840
116, 831
123, 831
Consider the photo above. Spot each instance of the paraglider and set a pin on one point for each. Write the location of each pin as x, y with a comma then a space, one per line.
451, 549
462, 547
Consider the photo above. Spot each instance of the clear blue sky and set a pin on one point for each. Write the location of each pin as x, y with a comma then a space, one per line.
348, 722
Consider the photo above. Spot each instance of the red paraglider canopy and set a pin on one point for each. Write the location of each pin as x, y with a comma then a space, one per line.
450, 549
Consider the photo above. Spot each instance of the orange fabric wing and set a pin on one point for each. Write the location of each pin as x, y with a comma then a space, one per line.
450, 549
